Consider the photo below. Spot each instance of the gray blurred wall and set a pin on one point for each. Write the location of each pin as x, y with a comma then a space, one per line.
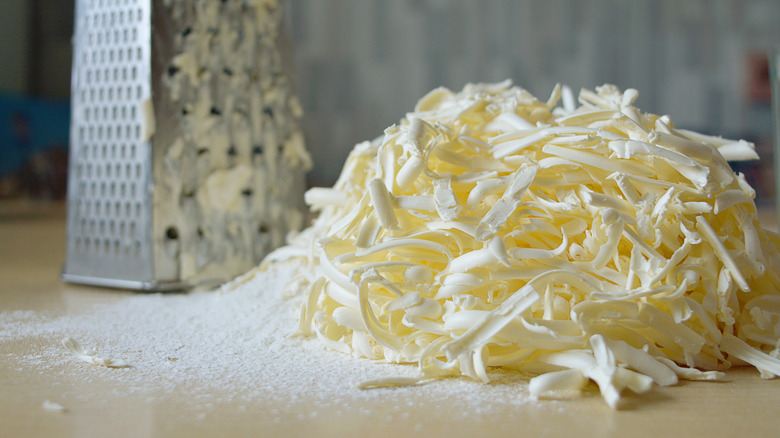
14, 45
361, 64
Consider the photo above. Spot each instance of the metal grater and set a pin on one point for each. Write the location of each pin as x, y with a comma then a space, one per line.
186, 161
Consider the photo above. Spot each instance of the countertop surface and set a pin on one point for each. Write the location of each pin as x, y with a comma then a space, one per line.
32, 242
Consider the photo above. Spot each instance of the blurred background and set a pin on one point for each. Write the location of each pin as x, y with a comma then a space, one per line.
360, 65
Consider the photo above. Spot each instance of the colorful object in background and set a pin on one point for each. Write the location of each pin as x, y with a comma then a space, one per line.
33, 147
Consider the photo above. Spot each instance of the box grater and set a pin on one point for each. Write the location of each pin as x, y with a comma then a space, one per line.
186, 160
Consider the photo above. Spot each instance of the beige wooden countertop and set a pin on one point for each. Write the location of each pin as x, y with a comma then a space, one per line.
32, 240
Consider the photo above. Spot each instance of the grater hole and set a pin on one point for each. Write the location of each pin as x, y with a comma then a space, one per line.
263, 228
171, 233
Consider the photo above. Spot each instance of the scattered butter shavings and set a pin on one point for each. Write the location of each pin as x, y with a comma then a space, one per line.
91, 356
53, 406
580, 243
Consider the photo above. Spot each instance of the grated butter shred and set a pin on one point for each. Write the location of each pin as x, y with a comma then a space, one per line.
580, 243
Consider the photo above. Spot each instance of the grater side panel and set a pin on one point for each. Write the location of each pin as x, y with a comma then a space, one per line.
228, 157
109, 204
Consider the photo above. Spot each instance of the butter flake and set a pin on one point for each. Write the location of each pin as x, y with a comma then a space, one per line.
91, 356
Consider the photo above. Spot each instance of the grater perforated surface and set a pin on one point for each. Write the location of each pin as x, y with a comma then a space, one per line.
109, 211
187, 161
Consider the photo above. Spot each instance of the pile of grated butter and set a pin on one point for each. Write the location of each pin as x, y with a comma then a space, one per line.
575, 242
